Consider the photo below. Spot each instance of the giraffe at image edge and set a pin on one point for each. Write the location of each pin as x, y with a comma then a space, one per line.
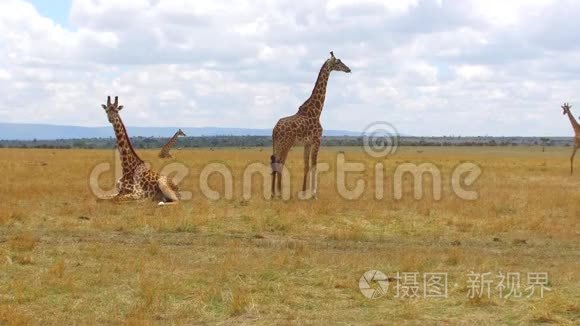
566, 111
137, 181
303, 128
164, 153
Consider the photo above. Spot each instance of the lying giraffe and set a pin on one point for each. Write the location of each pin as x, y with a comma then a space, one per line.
566, 111
164, 153
138, 181
304, 128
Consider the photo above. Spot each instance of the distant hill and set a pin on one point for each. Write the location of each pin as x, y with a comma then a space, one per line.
17, 131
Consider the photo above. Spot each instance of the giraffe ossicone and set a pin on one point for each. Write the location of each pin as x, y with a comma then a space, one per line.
303, 128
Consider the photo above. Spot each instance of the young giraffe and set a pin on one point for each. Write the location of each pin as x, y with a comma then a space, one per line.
566, 111
303, 128
164, 153
138, 181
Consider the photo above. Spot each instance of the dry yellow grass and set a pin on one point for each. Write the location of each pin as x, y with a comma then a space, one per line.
65, 257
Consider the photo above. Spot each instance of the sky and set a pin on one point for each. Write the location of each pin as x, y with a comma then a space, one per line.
428, 67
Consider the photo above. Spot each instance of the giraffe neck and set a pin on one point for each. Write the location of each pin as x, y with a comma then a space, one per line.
128, 156
313, 106
171, 141
573, 121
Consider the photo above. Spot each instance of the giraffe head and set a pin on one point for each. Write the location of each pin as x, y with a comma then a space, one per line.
566, 108
337, 64
181, 133
112, 109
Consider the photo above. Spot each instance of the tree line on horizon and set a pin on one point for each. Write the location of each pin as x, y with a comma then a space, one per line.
266, 141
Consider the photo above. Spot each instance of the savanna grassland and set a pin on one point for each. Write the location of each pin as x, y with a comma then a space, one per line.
67, 258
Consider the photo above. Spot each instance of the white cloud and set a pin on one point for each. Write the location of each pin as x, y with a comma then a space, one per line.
427, 66
473, 72
4, 75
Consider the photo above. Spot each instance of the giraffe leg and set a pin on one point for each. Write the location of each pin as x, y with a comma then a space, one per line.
274, 167
314, 162
273, 190
119, 198
572, 160
281, 163
124, 191
274, 178
306, 166
279, 181
107, 197
168, 192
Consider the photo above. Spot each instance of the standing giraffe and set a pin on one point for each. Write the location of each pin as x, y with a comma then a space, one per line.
138, 181
566, 111
164, 153
303, 128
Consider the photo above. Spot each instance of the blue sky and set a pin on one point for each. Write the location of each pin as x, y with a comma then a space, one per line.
57, 10
429, 67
